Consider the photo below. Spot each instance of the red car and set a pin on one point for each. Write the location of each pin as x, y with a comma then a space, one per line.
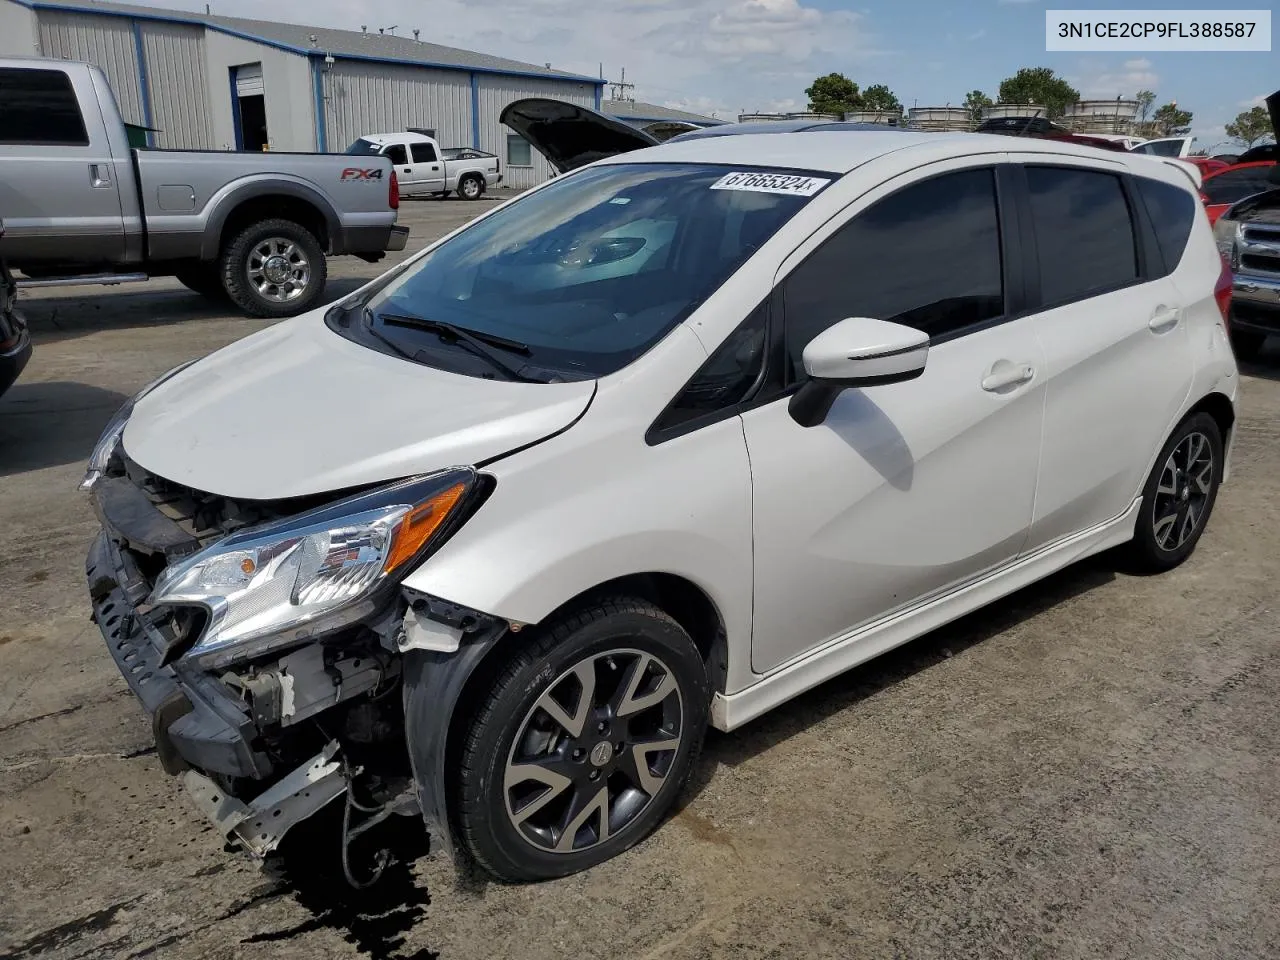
1224, 187
1207, 165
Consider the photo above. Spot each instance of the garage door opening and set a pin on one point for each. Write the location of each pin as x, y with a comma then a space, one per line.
249, 107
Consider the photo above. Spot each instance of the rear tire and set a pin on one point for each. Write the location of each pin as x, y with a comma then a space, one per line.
1247, 344
205, 280
274, 268
1179, 495
579, 747
471, 187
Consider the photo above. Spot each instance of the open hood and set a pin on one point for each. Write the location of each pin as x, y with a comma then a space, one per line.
298, 409
1267, 151
570, 136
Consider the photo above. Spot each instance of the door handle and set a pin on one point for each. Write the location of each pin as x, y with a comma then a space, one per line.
1004, 374
99, 175
1165, 318
408, 170
435, 166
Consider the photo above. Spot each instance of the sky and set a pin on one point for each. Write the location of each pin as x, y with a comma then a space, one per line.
723, 57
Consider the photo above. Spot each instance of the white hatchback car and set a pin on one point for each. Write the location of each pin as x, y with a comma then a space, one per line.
660, 444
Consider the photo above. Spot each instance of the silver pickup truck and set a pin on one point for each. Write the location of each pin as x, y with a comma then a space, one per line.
81, 206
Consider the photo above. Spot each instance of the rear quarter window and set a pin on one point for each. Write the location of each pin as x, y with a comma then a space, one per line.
1172, 210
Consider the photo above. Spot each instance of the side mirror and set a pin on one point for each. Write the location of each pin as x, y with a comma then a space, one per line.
857, 352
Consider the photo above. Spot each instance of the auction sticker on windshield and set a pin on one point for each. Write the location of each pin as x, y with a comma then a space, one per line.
800, 186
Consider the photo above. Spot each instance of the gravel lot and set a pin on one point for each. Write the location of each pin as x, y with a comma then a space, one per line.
1088, 769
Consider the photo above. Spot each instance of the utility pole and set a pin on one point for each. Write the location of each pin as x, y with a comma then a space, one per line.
618, 88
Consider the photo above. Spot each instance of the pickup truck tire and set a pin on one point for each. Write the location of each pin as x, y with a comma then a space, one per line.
471, 187
273, 268
205, 280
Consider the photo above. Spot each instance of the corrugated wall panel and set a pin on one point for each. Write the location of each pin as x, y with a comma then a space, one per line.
177, 78
495, 93
365, 98
106, 41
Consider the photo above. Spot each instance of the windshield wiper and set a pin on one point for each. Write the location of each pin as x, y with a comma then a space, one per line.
475, 342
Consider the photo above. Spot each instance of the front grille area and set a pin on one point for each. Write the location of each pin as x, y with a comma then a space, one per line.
1260, 263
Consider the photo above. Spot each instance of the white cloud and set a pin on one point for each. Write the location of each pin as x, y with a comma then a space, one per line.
977, 35
1099, 79
1259, 101
725, 53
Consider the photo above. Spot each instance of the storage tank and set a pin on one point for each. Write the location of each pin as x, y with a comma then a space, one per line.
760, 117
890, 118
998, 111
809, 115
1101, 116
939, 118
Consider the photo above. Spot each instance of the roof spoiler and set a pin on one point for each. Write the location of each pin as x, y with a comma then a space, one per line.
1190, 170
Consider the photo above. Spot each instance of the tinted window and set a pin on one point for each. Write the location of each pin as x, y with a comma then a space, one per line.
364, 148
927, 256
423, 152
397, 154
590, 271
518, 154
1172, 211
1084, 233
1161, 148
726, 378
39, 106
1235, 185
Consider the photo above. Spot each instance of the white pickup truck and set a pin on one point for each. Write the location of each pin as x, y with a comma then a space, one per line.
425, 169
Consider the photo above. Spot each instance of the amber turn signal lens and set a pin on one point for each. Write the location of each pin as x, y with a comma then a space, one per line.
419, 524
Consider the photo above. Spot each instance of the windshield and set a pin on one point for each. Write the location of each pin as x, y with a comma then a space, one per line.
588, 273
364, 148
1161, 148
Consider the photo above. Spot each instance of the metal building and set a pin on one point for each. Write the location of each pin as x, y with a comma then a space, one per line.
225, 83
661, 122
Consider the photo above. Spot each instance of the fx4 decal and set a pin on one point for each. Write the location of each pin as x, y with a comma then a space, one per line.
355, 173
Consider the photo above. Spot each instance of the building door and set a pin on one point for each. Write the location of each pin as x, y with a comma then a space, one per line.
249, 107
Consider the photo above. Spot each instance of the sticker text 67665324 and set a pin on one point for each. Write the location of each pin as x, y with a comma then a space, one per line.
761, 182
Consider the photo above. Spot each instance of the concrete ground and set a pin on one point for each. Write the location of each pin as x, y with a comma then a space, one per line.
1087, 769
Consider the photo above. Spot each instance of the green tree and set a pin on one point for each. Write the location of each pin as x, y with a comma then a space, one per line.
1039, 85
879, 97
975, 101
1170, 121
1250, 126
1145, 99
834, 93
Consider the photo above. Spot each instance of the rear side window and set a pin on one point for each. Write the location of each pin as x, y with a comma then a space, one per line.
39, 107
1235, 185
927, 256
1084, 233
423, 152
1172, 211
396, 154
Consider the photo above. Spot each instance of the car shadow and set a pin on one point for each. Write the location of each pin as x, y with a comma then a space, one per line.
49, 424
861, 683
56, 318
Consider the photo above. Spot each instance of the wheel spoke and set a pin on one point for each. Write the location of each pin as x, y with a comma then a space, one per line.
631, 702
1204, 479
639, 755
517, 774
597, 806
575, 722
1164, 526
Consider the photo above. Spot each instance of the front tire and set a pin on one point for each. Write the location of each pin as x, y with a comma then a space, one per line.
582, 743
471, 187
274, 268
1179, 495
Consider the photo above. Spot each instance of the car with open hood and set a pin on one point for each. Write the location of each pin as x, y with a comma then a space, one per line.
655, 446
1248, 235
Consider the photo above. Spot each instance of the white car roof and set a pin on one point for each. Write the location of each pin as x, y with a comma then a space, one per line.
839, 151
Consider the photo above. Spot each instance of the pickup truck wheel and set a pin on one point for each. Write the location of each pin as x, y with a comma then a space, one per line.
578, 748
471, 187
274, 268
205, 280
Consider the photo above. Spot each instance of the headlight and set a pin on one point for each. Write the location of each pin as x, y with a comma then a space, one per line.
109, 442
283, 582
1225, 234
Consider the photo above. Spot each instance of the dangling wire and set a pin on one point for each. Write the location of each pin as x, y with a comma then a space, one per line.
381, 859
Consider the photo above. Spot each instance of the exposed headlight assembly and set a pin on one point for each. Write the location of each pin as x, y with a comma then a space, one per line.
109, 442
284, 582
1226, 233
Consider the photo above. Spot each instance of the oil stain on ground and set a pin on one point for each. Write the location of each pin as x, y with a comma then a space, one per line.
376, 920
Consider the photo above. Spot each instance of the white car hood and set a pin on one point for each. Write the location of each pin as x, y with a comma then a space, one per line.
298, 409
